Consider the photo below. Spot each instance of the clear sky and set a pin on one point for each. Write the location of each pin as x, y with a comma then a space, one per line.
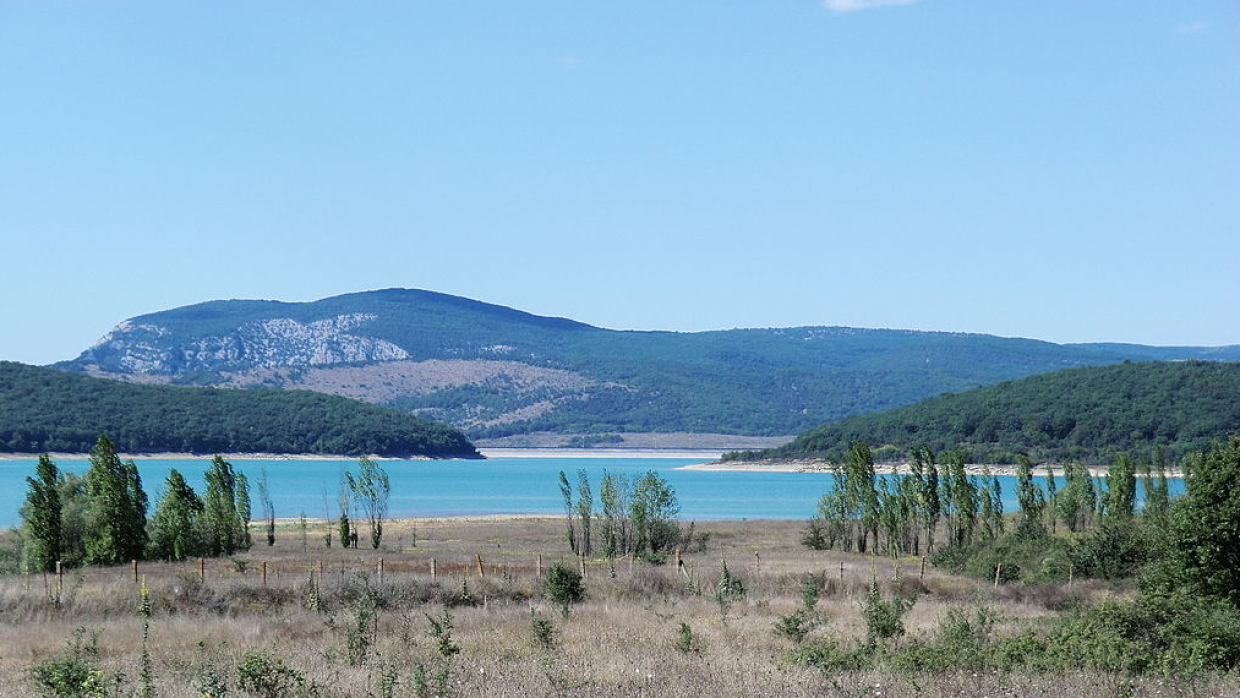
1060, 170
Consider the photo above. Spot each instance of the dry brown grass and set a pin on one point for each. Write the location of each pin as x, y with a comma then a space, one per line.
620, 641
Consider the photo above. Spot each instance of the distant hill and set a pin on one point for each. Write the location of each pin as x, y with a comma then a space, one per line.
44, 410
1088, 414
496, 372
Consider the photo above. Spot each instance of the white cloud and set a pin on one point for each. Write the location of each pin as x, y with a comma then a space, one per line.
1198, 27
856, 5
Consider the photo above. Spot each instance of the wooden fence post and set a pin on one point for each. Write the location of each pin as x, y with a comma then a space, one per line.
922, 576
264, 573
481, 572
135, 570
380, 570
432, 569
202, 569
539, 568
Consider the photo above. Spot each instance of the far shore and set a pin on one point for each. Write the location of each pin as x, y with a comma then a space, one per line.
821, 466
708, 454
680, 453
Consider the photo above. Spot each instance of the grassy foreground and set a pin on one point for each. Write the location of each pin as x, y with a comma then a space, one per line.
324, 622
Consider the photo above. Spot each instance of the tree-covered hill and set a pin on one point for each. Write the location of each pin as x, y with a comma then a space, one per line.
495, 371
45, 410
1089, 414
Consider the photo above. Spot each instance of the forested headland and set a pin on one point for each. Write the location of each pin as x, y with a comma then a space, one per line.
1090, 414
45, 410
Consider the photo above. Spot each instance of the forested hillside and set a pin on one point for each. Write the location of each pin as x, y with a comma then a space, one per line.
495, 371
1089, 414
44, 410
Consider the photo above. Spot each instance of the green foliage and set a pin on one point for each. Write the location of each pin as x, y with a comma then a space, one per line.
441, 630
176, 528
652, 517
1115, 550
884, 617
1090, 414
796, 625
225, 506
1199, 549
265, 674
563, 586
44, 410
371, 488
543, 631
115, 508
686, 642
41, 516
75, 673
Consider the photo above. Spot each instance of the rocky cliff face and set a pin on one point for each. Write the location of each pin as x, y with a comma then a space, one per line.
273, 343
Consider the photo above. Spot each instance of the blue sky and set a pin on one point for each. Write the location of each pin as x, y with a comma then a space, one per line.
1061, 170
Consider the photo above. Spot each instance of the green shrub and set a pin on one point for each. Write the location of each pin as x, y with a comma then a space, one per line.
543, 630
563, 586
74, 673
267, 675
884, 618
686, 641
795, 626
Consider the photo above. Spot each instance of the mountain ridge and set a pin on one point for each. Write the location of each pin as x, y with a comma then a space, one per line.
497, 372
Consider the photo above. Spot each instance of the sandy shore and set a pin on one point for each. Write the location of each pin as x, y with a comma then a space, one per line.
819, 466
704, 454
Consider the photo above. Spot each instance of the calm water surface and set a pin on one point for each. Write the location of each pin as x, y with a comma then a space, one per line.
494, 486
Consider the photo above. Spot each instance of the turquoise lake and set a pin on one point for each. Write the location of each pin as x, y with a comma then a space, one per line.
494, 486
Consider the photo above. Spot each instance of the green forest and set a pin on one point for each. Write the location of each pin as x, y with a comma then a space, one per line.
45, 410
1090, 414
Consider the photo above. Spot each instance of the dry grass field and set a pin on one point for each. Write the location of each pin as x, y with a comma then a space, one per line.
333, 622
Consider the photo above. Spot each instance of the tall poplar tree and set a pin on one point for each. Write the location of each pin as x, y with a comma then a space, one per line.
371, 489
221, 517
175, 530
115, 508
41, 537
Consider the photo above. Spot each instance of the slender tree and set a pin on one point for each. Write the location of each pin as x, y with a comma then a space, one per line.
1121, 495
566, 491
41, 515
371, 490
242, 497
1030, 500
221, 520
175, 525
269, 510
1052, 499
613, 498
964, 499
585, 510
116, 508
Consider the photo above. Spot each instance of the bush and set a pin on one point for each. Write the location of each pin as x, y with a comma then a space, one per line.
267, 675
1116, 550
884, 618
563, 586
74, 673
